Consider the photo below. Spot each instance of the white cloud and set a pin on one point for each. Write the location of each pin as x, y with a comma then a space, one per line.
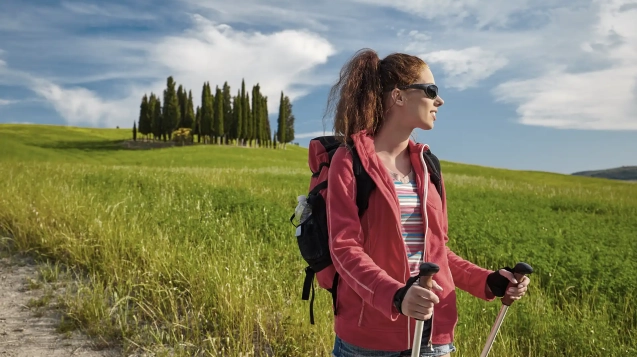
279, 61
77, 105
602, 99
467, 67
80, 106
575, 67
207, 52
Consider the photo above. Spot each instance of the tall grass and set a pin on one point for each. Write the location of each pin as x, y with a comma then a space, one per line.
191, 252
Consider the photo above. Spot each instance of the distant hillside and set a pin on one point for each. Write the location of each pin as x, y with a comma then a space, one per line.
626, 173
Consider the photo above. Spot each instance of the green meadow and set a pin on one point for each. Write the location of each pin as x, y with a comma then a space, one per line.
189, 250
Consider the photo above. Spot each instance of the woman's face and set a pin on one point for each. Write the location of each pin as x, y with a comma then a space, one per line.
419, 110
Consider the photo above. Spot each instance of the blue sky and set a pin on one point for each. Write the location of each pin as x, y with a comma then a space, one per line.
536, 85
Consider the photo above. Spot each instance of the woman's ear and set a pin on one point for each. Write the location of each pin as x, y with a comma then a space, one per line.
398, 97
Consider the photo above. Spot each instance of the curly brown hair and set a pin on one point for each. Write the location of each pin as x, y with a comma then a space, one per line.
357, 97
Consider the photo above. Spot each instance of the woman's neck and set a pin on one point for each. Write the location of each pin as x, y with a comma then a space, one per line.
392, 141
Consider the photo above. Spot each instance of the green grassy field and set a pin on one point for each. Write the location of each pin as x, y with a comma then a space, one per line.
191, 249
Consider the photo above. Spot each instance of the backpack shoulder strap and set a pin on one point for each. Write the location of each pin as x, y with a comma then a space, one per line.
433, 165
364, 183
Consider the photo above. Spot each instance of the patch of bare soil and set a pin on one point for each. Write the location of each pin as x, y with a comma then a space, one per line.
150, 144
29, 322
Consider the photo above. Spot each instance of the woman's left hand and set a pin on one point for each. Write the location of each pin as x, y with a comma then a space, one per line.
518, 288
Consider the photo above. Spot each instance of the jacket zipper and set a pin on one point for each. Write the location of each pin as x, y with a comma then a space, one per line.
424, 250
406, 270
424, 210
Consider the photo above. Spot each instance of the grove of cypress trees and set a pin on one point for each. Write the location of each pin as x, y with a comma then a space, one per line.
220, 117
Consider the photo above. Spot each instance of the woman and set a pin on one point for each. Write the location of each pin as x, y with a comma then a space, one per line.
378, 103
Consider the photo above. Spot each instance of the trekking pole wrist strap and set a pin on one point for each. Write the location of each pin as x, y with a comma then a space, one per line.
400, 293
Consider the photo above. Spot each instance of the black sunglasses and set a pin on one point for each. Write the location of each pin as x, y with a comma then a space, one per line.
430, 89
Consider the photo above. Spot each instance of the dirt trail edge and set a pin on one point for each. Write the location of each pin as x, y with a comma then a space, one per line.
27, 322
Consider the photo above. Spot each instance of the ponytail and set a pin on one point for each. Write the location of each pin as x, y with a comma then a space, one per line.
356, 99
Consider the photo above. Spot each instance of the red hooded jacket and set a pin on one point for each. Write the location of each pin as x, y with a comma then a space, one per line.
370, 256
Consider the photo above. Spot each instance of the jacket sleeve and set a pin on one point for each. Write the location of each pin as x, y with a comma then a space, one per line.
466, 275
354, 265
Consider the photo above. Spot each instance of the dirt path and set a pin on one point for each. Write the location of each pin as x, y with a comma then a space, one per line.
28, 319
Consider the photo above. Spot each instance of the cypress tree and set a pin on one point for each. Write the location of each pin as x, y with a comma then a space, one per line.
153, 119
189, 113
195, 127
182, 99
238, 114
289, 121
205, 124
158, 119
134, 131
219, 111
267, 133
228, 121
144, 117
281, 123
172, 114
247, 114
242, 118
256, 104
152, 103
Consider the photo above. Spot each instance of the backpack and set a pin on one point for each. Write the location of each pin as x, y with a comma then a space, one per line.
312, 234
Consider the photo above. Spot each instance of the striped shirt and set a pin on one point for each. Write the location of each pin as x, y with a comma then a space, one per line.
412, 224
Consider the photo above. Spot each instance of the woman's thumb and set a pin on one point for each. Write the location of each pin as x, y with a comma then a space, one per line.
436, 286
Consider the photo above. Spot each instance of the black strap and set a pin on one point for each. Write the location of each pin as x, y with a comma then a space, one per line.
433, 165
364, 183
307, 286
321, 166
333, 290
315, 191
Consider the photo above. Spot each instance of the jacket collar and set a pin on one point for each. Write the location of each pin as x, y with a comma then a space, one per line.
364, 144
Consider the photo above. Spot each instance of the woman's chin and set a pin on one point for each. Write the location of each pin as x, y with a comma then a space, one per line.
427, 125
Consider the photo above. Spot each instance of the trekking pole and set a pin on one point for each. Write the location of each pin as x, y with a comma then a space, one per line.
519, 271
427, 271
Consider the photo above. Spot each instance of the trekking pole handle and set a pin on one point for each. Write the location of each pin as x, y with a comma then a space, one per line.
425, 280
427, 271
519, 271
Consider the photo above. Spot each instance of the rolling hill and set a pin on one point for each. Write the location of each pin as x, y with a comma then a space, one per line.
627, 173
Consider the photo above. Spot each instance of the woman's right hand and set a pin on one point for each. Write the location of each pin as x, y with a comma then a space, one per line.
419, 302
